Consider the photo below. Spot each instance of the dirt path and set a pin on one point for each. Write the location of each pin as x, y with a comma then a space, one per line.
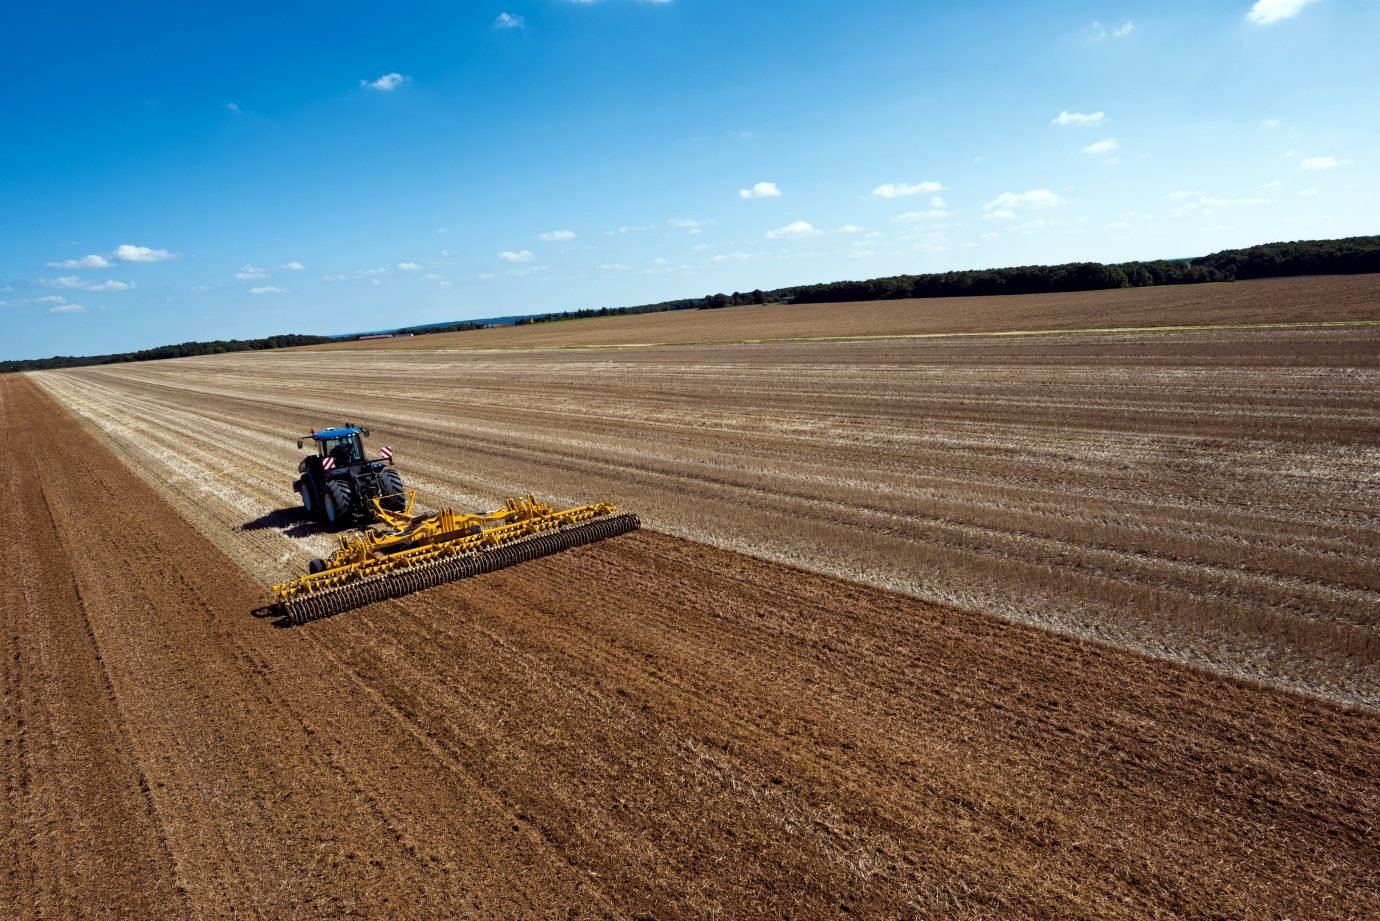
644, 727
1206, 497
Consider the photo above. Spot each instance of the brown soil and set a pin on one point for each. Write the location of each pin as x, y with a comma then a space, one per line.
1274, 300
644, 727
1207, 496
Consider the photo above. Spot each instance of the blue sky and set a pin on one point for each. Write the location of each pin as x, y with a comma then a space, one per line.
172, 171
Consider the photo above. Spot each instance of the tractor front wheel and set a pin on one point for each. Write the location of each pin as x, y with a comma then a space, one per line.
335, 502
391, 489
310, 505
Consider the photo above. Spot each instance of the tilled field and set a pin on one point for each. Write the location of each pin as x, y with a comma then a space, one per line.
1273, 300
643, 727
1208, 497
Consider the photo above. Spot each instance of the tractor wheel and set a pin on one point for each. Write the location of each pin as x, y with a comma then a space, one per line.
335, 502
308, 490
391, 487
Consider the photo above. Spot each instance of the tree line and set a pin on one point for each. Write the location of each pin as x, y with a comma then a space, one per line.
1348, 256
181, 350
1352, 255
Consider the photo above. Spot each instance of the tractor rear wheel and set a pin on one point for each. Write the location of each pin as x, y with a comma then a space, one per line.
335, 502
391, 488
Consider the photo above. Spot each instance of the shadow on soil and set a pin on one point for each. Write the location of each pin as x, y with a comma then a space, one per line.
292, 521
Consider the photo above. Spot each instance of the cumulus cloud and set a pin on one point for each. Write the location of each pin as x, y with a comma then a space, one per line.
849, 228
1322, 163
1265, 12
266, 289
409, 266
1106, 145
904, 189
519, 256
386, 83
67, 308
1079, 118
81, 284
1098, 32
93, 261
1004, 205
127, 252
793, 230
294, 266
556, 235
760, 190
232, 107
250, 273
509, 21
911, 217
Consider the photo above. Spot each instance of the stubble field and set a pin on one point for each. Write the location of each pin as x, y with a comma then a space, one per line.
663, 727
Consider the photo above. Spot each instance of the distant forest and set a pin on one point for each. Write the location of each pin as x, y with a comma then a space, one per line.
1349, 256
182, 350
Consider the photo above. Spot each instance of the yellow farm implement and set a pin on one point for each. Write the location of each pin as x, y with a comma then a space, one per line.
416, 553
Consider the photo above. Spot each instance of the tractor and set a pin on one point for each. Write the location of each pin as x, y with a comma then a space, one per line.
338, 482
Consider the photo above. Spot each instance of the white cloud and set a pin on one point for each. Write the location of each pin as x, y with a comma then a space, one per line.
1267, 11
432, 276
904, 189
936, 202
81, 284
1001, 214
1207, 205
1307, 193
520, 256
1106, 145
486, 276
1079, 118
554, 235
294, 266
67, 308
1322, 163
1270, 123
1098, 32
266, 289
232, 107
793, 230
48, 299
849, 228
731, 257
686, 223
614, 267
409, 266
127, 252
85, 262
911, 217
1272, 184
1117, 225
1005, 203
509, 21
760, 190
250, 273
386, 83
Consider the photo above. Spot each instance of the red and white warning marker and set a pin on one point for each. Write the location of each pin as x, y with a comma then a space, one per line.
328, 463
387, 452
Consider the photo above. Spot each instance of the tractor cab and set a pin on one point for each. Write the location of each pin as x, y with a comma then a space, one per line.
344, 446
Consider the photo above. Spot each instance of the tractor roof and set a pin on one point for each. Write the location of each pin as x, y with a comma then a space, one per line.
336, 433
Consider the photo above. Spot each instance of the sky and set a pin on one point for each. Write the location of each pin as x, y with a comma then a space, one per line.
176, 171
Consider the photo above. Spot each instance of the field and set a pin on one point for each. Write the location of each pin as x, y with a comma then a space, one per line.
1035, 626
1277, 300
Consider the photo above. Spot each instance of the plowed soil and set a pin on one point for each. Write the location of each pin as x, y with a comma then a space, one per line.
1340, 298
1206, 496
643, 727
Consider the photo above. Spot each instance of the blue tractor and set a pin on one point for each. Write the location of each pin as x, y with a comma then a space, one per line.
338, 481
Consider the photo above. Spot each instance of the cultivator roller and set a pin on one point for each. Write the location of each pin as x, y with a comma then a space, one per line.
426, 551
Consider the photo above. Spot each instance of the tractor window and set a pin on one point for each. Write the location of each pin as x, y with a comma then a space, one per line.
343, 450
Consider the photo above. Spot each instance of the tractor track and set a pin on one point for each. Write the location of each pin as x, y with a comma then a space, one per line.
638, 727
